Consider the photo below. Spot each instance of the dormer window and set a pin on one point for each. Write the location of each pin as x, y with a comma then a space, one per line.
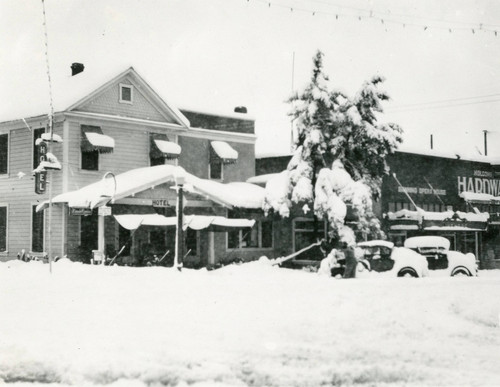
126, 93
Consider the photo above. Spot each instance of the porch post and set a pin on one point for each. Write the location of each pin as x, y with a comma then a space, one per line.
179, 235
100, 236
211, 248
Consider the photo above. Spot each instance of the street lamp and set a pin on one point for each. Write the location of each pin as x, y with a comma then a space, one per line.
179, 237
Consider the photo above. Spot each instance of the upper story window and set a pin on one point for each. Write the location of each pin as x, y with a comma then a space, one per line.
221, 153
126, 93
94, 142
37, 133
161, 150
4, 154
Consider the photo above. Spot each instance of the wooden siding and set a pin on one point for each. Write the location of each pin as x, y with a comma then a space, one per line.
107, 102
19, 193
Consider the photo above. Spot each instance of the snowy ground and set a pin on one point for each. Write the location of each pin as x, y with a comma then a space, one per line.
244, 325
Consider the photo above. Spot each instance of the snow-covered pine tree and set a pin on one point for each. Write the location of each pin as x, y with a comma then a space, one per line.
339, 155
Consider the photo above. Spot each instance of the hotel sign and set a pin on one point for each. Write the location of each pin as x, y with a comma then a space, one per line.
160, 203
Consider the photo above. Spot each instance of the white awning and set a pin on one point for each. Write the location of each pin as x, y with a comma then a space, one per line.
169, 149
224, 151
100, 140
195, 222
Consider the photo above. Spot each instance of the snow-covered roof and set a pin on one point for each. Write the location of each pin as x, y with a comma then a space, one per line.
427, 241
31, 100
450, 154
241, 195
195, 222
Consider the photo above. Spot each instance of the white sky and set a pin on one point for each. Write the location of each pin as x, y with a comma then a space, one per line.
215, 55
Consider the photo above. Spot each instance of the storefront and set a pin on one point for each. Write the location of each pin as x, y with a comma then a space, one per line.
427, 194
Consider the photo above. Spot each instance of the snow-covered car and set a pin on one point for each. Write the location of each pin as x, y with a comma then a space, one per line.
442, 261
382, 257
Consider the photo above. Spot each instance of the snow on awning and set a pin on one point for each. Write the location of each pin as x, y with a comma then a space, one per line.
170, 150
433, 221
474, 197
223, 151
93, 139
195, 222
240, 195
160, 146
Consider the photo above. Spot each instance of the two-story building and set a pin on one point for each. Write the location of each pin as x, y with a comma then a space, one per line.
112, 124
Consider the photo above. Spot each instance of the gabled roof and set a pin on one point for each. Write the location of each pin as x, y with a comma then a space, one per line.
69, 92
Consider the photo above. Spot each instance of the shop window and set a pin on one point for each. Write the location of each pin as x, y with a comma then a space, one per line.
157, 239
191, 242
303, 232
124, 240
37, 133
3, 228
4, 154
88, 233
259, 236
392, 207
37, 230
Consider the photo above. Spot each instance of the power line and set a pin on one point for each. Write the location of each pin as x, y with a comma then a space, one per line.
441, 107
365, 14
391, 14
444, 101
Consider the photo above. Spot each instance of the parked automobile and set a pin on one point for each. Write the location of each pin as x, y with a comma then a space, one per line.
442, 261
382, 257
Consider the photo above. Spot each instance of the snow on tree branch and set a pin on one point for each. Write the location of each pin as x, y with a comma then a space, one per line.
339, 157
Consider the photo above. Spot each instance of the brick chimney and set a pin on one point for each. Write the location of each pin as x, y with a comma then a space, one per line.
77, 68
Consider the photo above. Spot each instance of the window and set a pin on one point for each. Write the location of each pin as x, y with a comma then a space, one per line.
126, 93
88, 233
191, 242
162, 150
4, 153
260, 236
93, 142
3, 228
37, 230
90, 161
303, 232
37, 133
215, 170
123, 240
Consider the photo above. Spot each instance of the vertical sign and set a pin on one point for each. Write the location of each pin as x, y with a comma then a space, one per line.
41, 177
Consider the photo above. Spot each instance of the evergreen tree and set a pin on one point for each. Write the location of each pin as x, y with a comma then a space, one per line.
339, 155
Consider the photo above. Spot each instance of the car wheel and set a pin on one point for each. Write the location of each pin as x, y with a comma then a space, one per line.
461, 272
408, 272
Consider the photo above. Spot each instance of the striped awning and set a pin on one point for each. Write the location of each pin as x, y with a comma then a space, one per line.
93, 139
160, 146
221, 150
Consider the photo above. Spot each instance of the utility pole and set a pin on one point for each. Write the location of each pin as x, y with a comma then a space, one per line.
179, 235
485, 142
